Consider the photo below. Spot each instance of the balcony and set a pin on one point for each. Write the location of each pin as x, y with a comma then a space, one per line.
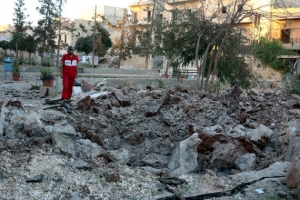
141, 2
291, 43
170, 2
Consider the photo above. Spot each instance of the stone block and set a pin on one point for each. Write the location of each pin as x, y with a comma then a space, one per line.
64, 136
48, 92
184, 157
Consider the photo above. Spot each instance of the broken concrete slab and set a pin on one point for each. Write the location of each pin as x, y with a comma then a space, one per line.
123, 100
52, 116
277, 169
90, 149
48, 92
184, 157
15, 126
80, 164
293, 149
245, 162
122, 155
64, 136
260, 135
220, 150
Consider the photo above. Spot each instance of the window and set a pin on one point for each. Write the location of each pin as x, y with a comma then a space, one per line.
149, 15
224, 9
240, 8
134, 16
285, 36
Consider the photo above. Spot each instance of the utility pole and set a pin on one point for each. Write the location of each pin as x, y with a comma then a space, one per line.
150, 36
94, 38
122, 39
59, 35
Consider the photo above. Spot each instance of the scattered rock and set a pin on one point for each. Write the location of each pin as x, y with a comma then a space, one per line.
122, 156
90, 149
75, 196
35, 179
52, 116
260, 135
172, 181
123, 100
221, 150
293, 150
184, 156
245, 162
64, 136
155, 160
293, 175
80, 164
298, 191
15, 127
112, 177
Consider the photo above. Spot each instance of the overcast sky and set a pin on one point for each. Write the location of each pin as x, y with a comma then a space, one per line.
71, 8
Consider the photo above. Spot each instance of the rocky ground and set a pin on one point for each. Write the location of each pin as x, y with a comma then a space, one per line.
149, 144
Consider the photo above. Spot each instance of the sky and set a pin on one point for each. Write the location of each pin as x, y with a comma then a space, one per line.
71, 8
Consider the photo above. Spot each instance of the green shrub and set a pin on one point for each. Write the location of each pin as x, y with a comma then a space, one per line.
16, 67
47, 73
34, 87
46, 62
267, 51
291, 85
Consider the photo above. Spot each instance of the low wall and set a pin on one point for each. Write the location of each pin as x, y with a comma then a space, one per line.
89, 70
141, 83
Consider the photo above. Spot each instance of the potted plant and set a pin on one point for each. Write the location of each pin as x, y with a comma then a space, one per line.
47, 76
16, 70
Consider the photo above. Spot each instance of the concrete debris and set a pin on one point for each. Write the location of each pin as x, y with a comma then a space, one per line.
64, 136
184, 156
149, 144
293, 175
245, 162
80, 164
35, 179
122, 156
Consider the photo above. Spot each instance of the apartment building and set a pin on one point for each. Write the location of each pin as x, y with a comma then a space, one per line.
285, 24
276, 19
4, 32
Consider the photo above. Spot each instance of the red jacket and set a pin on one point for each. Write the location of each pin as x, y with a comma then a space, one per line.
70, 65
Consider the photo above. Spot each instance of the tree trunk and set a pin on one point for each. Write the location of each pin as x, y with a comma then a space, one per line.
217, 60
150, 37
94, 38
17, 51
197, 62
209, 73
59, 35
205, 56
42, 49
30, 58
122, 40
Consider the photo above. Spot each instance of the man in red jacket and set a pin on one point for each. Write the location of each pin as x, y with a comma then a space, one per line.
68, 72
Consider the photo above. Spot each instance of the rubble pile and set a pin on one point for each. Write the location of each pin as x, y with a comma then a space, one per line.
152, 144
